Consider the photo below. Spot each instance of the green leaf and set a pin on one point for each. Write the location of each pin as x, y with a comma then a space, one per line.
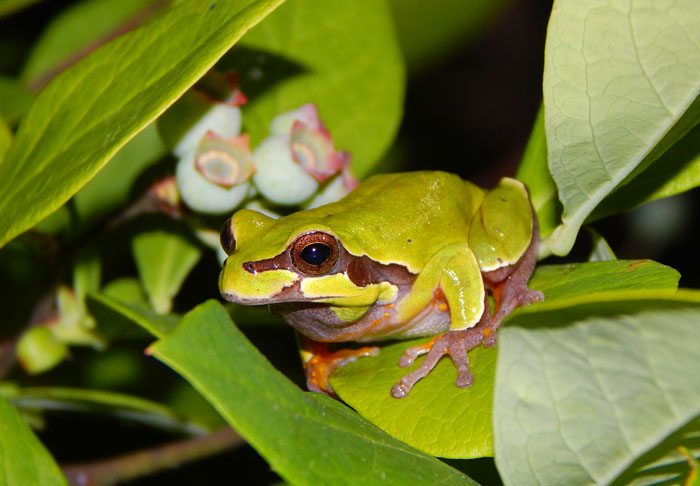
534, 172
88, 112
314, 52
596, 394
431, 35
77, 28
87, 273
121, 315
451, 422
163, 260
676, 171
600, 251
436, 417
120, 405
8, 7
23, 459
621, 85
308, 439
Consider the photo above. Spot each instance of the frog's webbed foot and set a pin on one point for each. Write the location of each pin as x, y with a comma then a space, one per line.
322, 363
454, 343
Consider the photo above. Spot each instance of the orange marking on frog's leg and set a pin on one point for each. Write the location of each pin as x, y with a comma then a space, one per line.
456, 344
410, 355
323, 362
440, 301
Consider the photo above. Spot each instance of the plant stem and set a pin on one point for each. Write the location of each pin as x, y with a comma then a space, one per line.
129, 466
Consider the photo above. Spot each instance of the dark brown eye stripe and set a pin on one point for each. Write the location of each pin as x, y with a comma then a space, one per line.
361, 270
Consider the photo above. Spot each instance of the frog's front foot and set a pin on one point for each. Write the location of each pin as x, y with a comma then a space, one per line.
454, 343
321, 365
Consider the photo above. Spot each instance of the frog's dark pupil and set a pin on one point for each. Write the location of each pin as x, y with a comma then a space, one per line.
316, 253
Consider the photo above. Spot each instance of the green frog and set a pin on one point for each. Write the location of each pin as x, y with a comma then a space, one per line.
402, 256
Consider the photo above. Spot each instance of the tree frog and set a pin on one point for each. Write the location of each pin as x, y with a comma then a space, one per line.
403, 255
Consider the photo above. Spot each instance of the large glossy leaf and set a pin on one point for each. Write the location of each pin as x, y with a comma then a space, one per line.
23, 459
307, 438
164, 259
676, 171
91, 110
446, 421
621, 85
599, 393
343, 56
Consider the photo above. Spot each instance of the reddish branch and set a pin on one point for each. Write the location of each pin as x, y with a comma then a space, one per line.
141, 463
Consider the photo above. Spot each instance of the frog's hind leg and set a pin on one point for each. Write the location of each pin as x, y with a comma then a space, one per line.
455, 343
508, 285
320, 362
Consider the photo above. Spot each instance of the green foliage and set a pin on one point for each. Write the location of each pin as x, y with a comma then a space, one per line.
599, 387
597, 384
82, 118
275, 416
24, 460
355, 80
621, 85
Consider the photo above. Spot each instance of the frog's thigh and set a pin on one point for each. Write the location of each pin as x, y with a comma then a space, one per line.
455, 271
501, 229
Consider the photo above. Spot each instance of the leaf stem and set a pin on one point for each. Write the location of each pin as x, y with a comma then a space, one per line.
120, 469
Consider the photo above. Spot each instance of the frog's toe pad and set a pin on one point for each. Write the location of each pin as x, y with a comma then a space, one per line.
464, 379
530, 296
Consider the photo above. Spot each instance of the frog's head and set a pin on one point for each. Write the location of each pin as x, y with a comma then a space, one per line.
303, 268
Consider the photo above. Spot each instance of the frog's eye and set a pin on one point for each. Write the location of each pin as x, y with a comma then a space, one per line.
315, 253
228, 242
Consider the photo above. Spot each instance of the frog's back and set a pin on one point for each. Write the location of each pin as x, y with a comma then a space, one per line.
404, 217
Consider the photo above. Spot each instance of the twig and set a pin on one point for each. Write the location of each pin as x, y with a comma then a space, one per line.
127, 467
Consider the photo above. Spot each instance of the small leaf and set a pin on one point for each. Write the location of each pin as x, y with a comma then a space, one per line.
443, 420
534, 172
621, 85
88, 112
106, 308
87, 273
127, 407
164, 259
308, 439
601, 251
313, 53
585, 396
23, 458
